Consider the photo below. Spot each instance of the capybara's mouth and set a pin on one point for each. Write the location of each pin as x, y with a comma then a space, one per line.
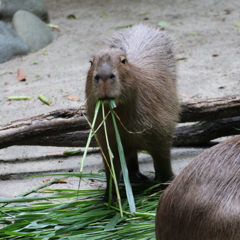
105, 99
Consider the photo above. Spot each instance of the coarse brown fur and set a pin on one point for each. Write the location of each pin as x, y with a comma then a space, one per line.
138, 72
203, 201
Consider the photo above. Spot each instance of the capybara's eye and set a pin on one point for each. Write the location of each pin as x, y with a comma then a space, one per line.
123, 59
96, 78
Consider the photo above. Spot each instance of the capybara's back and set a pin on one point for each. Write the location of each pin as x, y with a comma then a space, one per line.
203, 201
147, 47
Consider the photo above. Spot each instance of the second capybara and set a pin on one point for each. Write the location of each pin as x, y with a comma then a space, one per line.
203, 201
137, 71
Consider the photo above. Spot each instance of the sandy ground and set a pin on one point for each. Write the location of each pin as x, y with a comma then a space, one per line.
200, 30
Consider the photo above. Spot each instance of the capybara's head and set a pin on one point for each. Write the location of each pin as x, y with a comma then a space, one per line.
109, 76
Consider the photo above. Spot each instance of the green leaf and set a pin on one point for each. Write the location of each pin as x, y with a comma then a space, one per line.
111, 166
71, 16
143, 13
90, 135
44, 99
19, 98
113, 222
1, 74
19, 234
104, 15
72, 152
163, 24
126, 26
123, 162
94, 176
52, 25
173, 37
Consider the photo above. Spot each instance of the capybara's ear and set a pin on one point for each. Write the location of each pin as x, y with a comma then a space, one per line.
91, 60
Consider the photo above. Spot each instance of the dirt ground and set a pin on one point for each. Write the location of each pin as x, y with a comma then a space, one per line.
204, 32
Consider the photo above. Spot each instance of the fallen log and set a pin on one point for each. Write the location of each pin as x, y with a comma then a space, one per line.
52, 123
203, 132
210, 109
65, 127
193, 135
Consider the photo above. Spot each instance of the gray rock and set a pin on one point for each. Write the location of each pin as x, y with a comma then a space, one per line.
10, 43
9, 7
33, 31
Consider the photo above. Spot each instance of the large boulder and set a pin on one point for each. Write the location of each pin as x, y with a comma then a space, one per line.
11, 44
9, 7
33, 31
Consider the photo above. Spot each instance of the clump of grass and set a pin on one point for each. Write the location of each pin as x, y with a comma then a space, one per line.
73, 214
77, 214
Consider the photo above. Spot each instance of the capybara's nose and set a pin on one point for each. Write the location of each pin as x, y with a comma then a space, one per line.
104, 73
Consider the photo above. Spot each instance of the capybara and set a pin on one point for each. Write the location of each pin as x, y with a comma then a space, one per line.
203, 201
137, 71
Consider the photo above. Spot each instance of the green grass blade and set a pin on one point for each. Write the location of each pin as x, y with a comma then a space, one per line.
128, 187
94, 176
90, 135
112, 171
113, 222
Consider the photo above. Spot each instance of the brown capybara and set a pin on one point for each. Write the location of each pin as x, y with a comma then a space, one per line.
203, 201
138, 71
